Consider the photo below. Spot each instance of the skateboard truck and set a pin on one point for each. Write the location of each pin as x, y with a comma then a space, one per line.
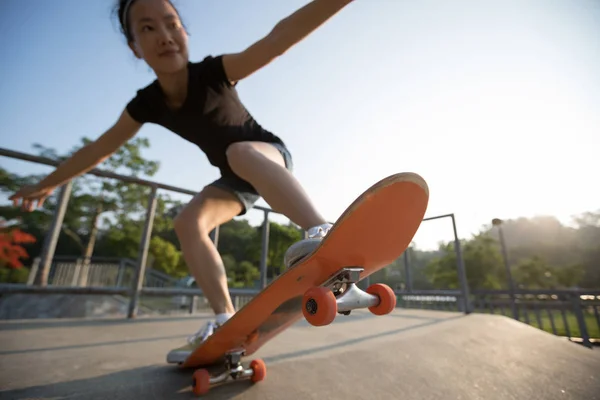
339, 294
348, 295
202, 380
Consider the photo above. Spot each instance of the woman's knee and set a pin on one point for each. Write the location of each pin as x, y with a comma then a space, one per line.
191, 220
205, 212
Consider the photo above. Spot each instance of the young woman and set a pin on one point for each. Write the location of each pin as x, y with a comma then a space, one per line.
198, 101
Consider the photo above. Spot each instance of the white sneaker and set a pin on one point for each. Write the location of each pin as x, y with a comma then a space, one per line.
319, 231
180, 354
300, 249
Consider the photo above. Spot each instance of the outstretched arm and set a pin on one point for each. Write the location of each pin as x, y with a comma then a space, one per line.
80, 162
284, 35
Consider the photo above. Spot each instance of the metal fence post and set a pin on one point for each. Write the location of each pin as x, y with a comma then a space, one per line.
407, 273
462, 274
120, 272
33, 271
52, 237
265, 251
576, 306
214, 236
140, 271
511, 283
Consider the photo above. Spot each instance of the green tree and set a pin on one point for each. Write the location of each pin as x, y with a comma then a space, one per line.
281, 237
244, 274
122, 204
588, 241
534, 274
165, 257
239, 239
483, 265
569, 276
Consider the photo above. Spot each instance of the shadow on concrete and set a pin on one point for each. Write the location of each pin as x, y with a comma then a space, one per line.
167, 381
354, 341
357, 316
420, 317
157, 382
10, 325
104, 323
88, 345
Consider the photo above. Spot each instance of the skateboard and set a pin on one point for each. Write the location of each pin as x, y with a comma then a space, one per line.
370, 234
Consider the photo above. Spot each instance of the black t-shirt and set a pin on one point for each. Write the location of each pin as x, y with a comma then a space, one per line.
212, 115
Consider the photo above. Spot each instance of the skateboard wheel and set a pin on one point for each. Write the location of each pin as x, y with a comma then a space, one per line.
319, 306
259, 370
387, 299
201, 382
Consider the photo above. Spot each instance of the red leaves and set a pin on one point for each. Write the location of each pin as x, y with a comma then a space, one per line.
11, 252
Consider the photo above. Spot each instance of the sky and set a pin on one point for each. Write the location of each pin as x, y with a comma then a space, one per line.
495, 103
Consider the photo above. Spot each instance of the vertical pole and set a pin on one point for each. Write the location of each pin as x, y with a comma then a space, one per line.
52, 237
462, 274
140, 271
577, 310
121, 272
407, 273
33, 271
214, 236
76, 272
193, 304
264, 251
511, 282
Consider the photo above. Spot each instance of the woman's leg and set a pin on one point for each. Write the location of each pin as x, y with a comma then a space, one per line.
207, 210
263, 166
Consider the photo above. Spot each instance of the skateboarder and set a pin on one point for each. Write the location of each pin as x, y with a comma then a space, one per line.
198, 101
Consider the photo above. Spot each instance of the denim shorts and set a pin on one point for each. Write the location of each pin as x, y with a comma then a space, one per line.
242, 189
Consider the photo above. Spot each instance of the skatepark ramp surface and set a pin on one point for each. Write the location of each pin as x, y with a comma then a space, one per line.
409, 355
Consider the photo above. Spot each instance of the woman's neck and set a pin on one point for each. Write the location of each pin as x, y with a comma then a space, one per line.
174, 87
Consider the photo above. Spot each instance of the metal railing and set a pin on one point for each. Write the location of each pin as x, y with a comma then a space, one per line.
49, 245
97, 271
536, 307
570, 313
136, 290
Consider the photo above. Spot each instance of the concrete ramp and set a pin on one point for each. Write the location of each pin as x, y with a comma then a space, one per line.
409, 355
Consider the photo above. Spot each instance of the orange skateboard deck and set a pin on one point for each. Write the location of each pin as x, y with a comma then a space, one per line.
371, 233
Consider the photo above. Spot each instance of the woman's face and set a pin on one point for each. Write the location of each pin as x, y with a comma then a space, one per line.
158, 35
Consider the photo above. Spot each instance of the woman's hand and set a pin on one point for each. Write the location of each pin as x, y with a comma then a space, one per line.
30, 195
